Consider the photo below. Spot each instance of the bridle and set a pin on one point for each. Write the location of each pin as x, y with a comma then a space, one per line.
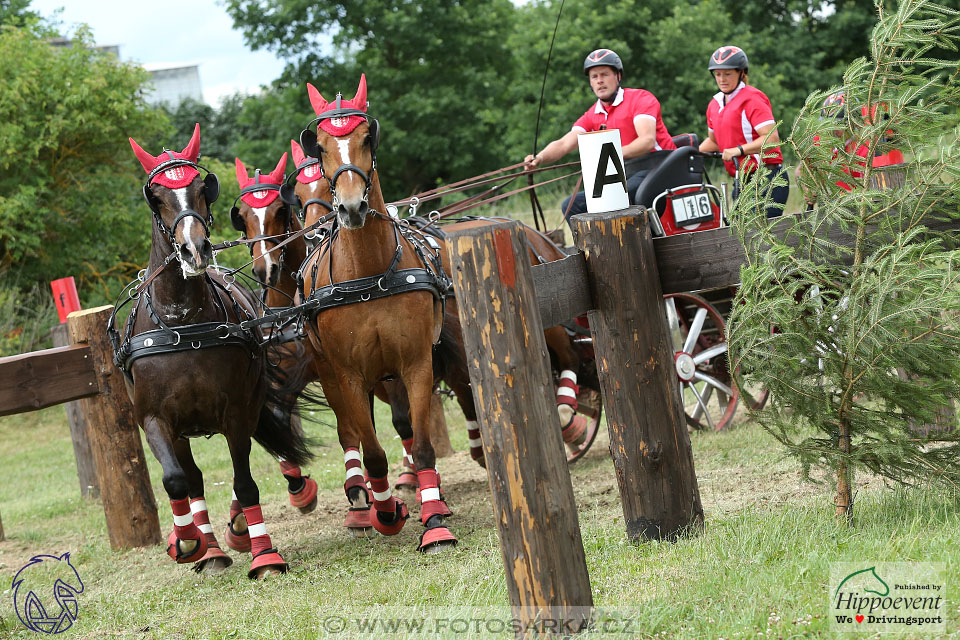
211, 191
239, 225
308, 140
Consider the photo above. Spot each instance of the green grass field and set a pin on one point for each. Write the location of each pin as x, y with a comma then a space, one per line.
760, 569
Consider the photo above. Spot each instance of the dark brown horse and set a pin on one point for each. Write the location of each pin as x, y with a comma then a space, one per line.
193, 370
266, 221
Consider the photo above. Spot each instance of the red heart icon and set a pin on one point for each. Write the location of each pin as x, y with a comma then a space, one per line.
859, 618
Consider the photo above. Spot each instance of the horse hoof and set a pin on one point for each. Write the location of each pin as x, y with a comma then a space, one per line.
436, 540
306, 499
237, 541
267, 563
213, 566
393, 526
407, 481
576, 431
357, 521
186, 551
480, 460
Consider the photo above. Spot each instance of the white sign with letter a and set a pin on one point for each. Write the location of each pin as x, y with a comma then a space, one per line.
601, 162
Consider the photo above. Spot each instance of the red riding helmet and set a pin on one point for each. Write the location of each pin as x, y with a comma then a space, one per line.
729, 57
602, 58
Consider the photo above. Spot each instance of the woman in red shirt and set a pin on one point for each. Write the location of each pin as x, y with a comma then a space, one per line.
741, 125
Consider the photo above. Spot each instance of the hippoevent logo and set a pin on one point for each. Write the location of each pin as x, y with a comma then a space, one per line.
45, 594
887, 597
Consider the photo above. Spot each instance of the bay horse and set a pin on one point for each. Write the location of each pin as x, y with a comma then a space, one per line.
312, 193
194, 370
266, 221
377, 310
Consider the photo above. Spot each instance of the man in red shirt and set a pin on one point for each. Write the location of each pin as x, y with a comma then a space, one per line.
635, 112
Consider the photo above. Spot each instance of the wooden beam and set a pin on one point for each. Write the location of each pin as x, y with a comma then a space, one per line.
86, 470
533, 500
649, 442
128, 503
562, 291
31, 381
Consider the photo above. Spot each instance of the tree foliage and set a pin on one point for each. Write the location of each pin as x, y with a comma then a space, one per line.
860, 344
69, 188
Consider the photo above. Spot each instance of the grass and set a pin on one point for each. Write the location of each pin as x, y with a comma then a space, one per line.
759, 569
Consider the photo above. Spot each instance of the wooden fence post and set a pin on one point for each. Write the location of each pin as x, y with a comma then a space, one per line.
128, 503
86, 471
649, 441
533, 501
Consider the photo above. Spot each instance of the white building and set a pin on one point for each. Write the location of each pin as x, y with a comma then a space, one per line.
174, 83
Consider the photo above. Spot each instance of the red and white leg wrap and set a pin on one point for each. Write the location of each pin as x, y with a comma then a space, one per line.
445, 509
389, 513
288, 468
568, 390
260, 545
237, 536
355, 477
184, 529
431, 505
198, 507
476, 443
408, 477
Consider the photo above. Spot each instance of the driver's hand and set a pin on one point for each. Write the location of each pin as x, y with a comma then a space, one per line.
730, 154
531, 161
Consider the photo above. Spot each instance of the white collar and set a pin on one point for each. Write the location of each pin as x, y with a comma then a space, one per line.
599, 108
719, 96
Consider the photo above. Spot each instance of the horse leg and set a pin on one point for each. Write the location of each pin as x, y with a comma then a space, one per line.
266, 559
395, 394
301, 489
185, 543
433, 510
459, 382
573, 426
214, 560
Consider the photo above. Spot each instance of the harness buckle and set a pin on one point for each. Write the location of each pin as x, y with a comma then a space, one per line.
178, 338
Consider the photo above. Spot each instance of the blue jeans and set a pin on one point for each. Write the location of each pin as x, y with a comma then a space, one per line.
779, 194
580, 198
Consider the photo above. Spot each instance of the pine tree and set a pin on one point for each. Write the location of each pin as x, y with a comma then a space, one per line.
859, 341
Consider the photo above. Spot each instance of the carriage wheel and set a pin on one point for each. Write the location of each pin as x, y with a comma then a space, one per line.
710, 395
589, 405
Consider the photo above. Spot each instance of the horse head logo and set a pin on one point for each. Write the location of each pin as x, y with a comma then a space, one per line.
32, 588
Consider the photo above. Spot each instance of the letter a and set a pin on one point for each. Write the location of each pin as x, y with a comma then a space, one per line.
608, 152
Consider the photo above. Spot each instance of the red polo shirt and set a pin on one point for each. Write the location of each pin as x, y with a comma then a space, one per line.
627, 106
737, 121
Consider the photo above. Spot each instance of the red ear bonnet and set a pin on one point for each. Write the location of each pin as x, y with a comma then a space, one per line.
175, 177
307, 174
339, 126
261, 198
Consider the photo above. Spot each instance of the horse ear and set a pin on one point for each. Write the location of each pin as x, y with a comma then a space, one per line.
192, 151
242, 175
147, 161
276, 176
316, 100
360, 99
288, 193
297, 152
308, 140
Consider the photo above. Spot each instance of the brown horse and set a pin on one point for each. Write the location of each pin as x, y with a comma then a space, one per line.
193, 370
266, 221
378, 310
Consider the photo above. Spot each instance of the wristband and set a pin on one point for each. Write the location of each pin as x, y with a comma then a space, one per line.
741, 150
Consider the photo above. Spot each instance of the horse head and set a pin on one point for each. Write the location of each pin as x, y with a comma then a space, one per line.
345, 141
307, 190
180, 201
259, 214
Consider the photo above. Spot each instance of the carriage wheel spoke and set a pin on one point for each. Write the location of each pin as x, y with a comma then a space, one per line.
713, 382
694, 331
707, 392
703, 406
706, 354
673, 322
